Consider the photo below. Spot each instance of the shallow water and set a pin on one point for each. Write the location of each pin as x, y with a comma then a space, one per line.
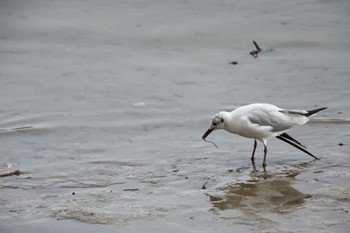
103, 107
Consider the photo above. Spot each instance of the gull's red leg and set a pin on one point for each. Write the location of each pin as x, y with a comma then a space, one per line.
265, 152
252, 158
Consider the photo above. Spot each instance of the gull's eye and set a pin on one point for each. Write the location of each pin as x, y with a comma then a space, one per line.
222, 120
214, 123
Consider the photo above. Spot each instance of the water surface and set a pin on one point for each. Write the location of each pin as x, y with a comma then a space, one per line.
103, 106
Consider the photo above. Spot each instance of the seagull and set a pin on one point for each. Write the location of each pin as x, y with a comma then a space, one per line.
262, 121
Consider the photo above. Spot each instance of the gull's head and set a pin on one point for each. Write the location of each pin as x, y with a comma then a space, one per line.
217, 122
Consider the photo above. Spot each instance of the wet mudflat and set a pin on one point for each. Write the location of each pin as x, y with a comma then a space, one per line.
103, 107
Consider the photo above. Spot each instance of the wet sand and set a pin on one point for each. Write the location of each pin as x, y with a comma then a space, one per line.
103, 106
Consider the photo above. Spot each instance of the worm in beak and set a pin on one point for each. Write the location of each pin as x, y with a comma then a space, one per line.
205, 135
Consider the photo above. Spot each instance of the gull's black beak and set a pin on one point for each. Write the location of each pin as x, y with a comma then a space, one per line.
207, 133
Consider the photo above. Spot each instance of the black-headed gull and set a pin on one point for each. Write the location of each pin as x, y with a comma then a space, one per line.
262, 122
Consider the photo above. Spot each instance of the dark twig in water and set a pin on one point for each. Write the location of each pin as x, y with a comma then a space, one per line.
256, 46
255, 52
211, 143
203, 187
14, 173
131, 190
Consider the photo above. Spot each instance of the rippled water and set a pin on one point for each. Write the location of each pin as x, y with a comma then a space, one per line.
103, 107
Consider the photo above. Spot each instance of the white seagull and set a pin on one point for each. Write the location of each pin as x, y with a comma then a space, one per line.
262, 122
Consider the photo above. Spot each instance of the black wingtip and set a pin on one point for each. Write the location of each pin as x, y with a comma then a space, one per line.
288, 137
296, 146
312, 112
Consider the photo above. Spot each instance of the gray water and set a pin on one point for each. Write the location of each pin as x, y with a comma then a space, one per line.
103, 106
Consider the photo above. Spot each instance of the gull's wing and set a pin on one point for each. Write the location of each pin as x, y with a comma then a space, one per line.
279, 121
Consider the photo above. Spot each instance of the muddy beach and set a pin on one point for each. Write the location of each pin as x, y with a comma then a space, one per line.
103, 106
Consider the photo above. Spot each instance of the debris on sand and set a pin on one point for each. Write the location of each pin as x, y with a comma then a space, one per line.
14, 173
